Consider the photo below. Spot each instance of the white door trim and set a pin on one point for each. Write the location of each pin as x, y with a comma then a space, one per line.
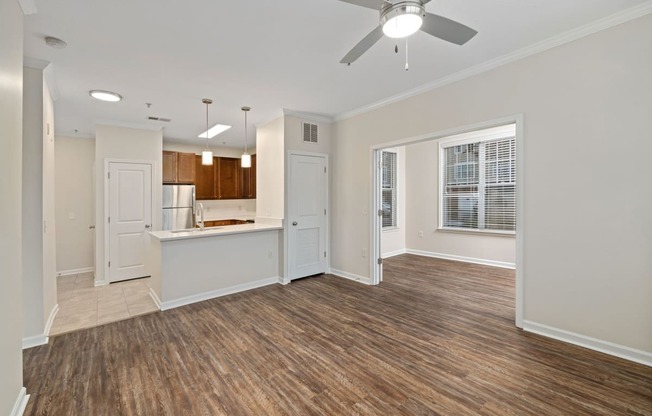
107, 209
286, 261
520, 197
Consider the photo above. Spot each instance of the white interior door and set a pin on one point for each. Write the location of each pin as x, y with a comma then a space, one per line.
307, 199
130, 218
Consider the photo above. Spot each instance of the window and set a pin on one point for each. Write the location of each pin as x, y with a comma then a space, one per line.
478, 180
389, 189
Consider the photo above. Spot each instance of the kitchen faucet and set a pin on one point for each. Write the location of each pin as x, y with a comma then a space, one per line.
199, 212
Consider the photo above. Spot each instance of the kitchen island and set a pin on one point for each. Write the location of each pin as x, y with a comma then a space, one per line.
189, 266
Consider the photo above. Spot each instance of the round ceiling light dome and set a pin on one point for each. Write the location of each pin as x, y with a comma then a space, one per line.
105, 95
402, 19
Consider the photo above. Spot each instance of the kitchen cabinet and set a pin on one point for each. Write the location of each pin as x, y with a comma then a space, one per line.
221, 223
178, 167
227, 174
225, 179
248, 180
205, 180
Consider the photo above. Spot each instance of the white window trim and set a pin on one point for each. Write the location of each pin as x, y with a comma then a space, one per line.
493, 133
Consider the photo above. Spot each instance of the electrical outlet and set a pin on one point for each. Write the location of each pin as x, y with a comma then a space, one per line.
270, 254
420, 234
364, 211
364, 252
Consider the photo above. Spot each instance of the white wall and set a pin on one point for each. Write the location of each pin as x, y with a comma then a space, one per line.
587, 194
127, 144
392, 240
293, 132
38, 224
422, 162
75, 203
11, 125
270, 175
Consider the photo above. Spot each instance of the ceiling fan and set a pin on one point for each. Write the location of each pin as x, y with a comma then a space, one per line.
400, 19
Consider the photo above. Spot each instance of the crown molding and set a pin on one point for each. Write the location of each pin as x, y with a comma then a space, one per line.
35, 63
128, 125
557, 40
307, 116
28, 6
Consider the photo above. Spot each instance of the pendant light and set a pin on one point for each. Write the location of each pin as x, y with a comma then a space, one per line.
207, 155
245, 161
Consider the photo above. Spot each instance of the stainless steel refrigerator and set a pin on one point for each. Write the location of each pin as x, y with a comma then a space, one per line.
178, 206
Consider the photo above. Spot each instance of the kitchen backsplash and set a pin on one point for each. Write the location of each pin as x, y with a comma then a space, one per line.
228, 209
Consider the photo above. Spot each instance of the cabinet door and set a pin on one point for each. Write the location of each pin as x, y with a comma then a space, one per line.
227, 178
205, 180
169, 167
186, 168
248, 180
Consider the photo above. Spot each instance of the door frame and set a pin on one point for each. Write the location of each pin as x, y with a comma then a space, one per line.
107, 209
286, 199
376, 225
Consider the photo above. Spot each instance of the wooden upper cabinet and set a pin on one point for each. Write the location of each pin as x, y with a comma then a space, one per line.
248, 180
227, 178
186, 172
178, 167
169, 167
205, 180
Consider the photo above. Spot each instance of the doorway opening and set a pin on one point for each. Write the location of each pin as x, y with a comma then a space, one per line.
470, 209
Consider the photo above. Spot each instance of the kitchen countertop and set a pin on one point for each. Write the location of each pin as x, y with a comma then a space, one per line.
213, 231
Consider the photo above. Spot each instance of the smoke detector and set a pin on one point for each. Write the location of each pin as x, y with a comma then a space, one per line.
55, 43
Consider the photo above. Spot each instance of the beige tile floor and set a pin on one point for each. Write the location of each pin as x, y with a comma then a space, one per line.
81, 305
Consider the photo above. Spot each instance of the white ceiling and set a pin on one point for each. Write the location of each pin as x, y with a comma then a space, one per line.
270, 55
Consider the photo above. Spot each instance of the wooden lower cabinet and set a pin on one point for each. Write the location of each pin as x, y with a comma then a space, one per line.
220, 223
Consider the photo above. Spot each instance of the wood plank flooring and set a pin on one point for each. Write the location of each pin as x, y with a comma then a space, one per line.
437, 337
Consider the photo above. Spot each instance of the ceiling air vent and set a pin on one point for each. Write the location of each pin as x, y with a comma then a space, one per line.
309, 133
163, 119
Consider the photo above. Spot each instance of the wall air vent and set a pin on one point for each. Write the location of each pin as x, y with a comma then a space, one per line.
163, 119
309, 133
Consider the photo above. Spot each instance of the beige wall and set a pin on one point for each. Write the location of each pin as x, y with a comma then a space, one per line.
38, 224
126, 144
293, 132
587, 195
75, 203
270, 161
11, 313
423, 215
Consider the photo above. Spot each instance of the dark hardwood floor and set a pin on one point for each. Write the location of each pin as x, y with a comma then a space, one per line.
437, 337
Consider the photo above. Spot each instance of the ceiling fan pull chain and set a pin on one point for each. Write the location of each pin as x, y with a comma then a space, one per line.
396, 48
406, 55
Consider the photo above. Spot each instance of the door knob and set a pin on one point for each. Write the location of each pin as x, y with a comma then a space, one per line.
294, 223
147, 226
91, 227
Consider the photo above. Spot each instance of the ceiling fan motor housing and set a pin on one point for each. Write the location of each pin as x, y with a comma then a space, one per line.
402, 8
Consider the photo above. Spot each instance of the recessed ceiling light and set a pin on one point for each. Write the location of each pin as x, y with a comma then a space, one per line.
214, 131
105, 95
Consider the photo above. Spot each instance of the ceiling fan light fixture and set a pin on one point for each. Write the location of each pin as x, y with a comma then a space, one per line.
402, 19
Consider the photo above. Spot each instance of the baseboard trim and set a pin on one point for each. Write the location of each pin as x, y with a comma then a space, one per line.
75, 271
465, 259
621, 351
171, 304
283, 281
99, 283
351, 276
155, 298
394, 253
53, 314
35, 341
21, 403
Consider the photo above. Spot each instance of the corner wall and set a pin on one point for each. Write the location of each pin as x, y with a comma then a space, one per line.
11, 132
586, 177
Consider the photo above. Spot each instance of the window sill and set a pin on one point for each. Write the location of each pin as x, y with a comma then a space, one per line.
391, 229
493, 233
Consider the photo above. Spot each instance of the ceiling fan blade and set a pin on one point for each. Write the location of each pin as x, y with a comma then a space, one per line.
425, 1
369, 4
363, 46
447, 29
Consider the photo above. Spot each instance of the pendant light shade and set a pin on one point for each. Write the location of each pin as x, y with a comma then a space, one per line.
207, 155
245, 160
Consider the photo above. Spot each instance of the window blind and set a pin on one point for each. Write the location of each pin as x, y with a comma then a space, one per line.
389, 189
478, 189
